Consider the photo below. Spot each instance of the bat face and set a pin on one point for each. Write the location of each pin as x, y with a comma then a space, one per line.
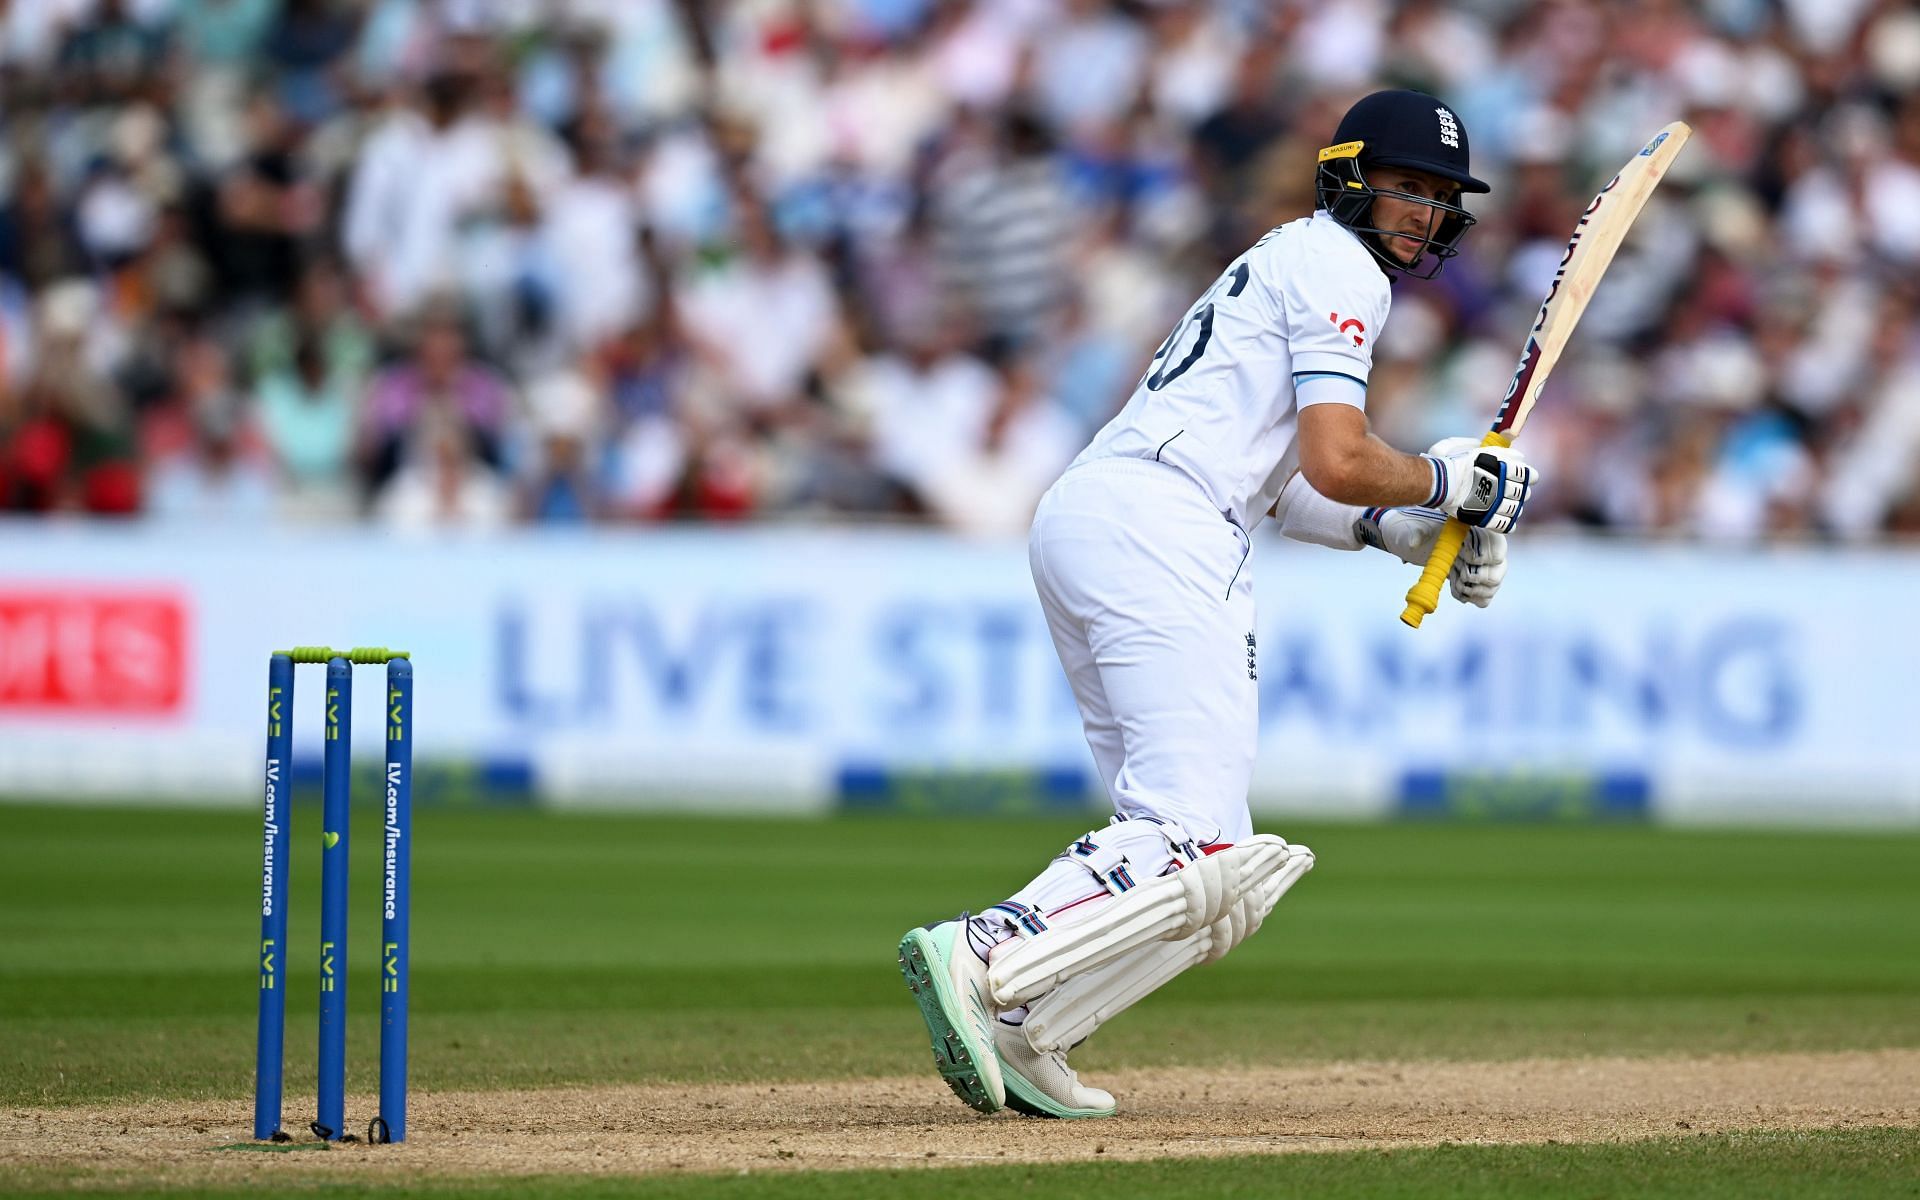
1589, 251
1596, 237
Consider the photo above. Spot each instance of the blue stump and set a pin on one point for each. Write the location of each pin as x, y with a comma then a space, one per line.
335, 786
396, 905
270, 1044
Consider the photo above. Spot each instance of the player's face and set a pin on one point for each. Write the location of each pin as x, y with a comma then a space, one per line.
1405, 222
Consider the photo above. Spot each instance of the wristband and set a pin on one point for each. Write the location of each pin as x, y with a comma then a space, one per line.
1439, 494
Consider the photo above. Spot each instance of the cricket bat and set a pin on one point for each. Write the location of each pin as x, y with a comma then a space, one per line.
1589, 252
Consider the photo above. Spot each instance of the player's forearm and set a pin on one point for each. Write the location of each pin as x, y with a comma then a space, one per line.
1365, 471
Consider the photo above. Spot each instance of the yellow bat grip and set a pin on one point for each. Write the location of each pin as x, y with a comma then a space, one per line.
1424, 596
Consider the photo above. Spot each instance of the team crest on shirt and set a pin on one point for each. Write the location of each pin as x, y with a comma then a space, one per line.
1350, 325
1253, 665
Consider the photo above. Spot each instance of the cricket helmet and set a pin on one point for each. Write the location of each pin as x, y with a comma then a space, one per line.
1398, 129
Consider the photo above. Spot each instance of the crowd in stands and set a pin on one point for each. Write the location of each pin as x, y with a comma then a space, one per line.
468, 263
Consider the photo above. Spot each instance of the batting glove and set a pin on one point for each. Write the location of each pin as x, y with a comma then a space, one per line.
1409, 533
1485, 486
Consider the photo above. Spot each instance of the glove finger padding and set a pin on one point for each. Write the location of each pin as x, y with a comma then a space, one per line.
1481, 567
1502, 482
1409, 533
1485, 486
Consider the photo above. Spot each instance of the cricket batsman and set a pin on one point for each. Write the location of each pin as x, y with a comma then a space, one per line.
1255, 405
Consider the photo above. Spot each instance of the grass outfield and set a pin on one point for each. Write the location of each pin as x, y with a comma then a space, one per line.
622, 949
601, 949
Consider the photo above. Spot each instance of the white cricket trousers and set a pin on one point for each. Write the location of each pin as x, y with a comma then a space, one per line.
1149, 598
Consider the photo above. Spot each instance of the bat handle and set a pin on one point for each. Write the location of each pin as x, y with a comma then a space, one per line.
1424, 596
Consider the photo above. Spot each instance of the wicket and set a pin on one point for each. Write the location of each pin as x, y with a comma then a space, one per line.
390, 1124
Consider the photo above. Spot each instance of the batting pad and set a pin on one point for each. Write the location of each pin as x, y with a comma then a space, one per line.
1172, 906
1069, 1014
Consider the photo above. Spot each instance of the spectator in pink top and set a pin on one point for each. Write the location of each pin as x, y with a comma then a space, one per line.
438, 379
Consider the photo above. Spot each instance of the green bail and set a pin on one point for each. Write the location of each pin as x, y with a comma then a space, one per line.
361, 655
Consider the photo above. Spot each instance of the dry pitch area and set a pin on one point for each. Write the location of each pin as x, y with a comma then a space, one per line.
913, 1121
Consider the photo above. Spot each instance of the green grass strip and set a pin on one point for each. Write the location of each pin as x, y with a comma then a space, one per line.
1803, 1165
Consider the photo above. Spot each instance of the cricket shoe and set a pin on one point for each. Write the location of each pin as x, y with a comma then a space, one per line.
1043, 1085
950, 983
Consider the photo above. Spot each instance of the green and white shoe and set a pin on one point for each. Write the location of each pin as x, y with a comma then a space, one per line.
950, 983
1043, 1085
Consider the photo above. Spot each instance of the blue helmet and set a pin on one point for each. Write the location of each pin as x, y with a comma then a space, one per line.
1398, 129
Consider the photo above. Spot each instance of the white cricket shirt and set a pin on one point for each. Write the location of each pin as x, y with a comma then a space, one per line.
1218, 401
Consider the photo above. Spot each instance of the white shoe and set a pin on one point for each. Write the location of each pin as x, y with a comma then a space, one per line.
1043, 1085
950, 983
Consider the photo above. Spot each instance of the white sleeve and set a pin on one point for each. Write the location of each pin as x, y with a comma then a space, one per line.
1334, 310
1323, 387
1307, 516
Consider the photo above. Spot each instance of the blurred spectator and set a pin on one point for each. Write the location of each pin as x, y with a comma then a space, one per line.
590, 235
563, 481
988, 484
976, 50
205, 463
646, 370
304, 46
1090, 66
1087, 369
219, 38
925, 405
67, 438
112, 58
420, 175
1003, 222
39, 238
319, 314
412, 405
1230, 138
760, 317
308, 410
445, 484
512, 278
266, 210
1196, 54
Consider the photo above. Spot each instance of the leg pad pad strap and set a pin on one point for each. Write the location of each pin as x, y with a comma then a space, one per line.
1068, 1015
1172, 907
